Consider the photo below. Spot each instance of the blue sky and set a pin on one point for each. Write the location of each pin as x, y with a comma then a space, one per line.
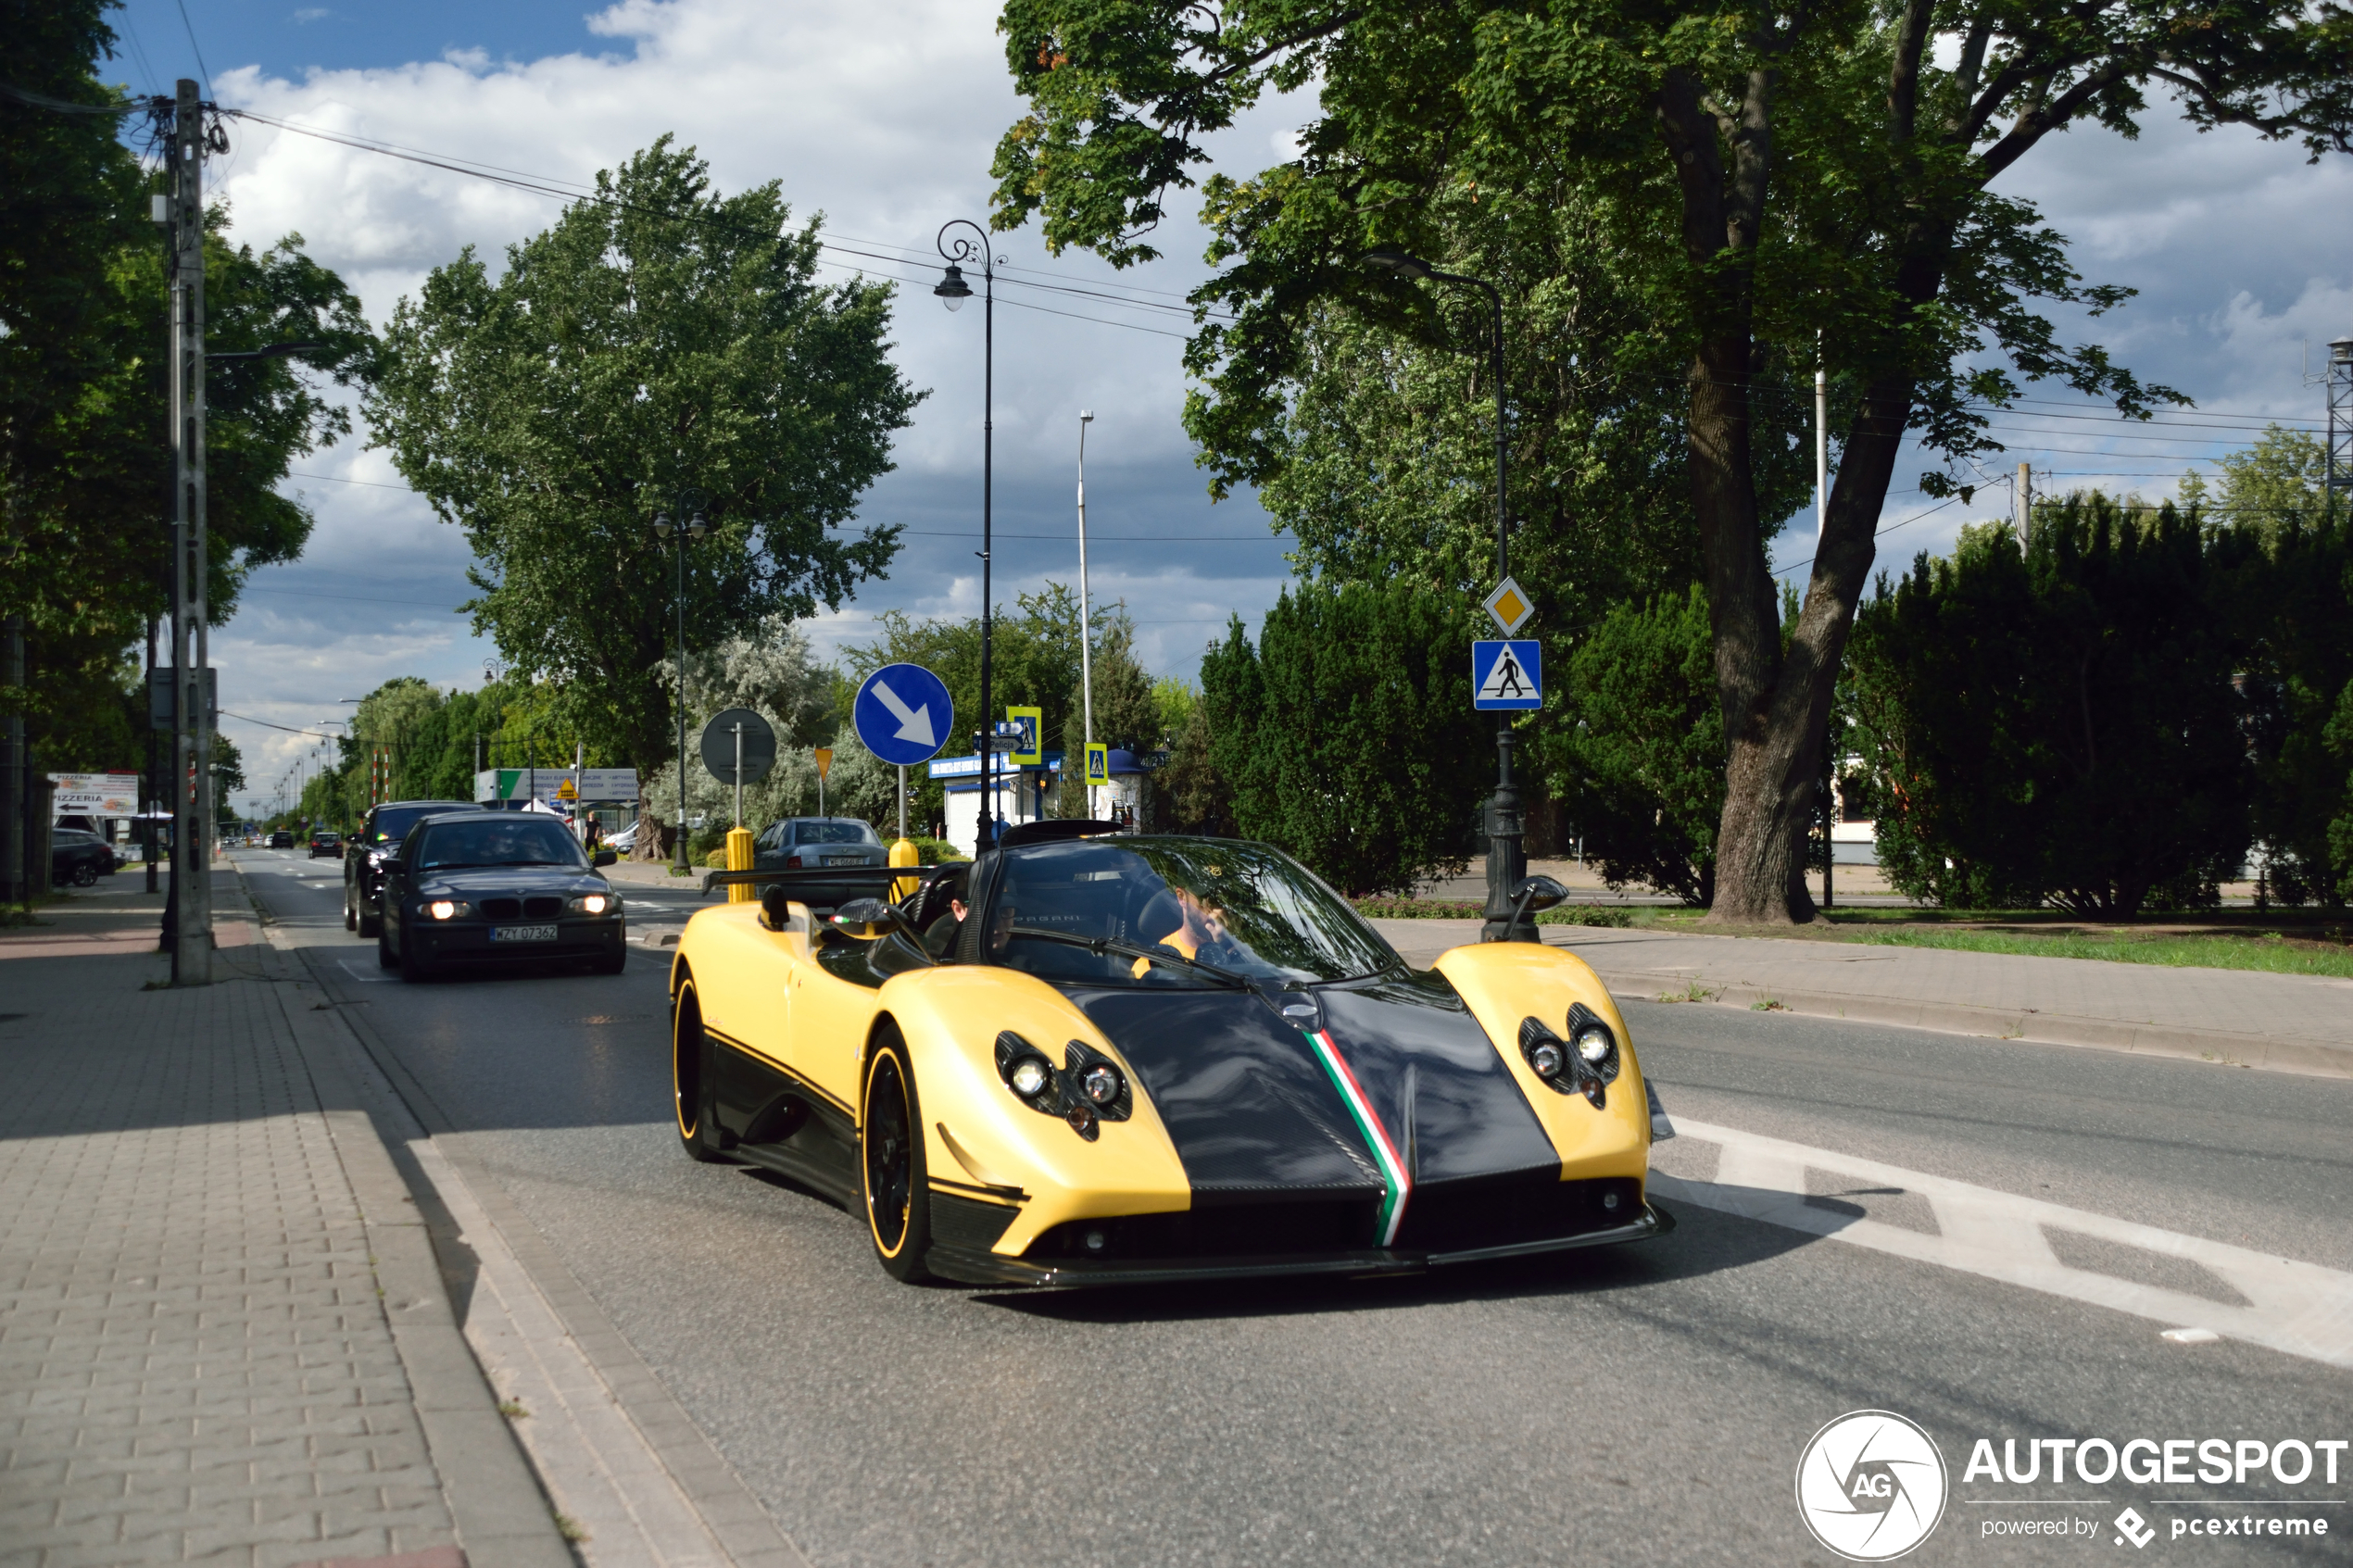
883, 115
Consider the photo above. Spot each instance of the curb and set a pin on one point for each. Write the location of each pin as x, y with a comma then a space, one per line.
734, 1518
2216, 1047
501, 1514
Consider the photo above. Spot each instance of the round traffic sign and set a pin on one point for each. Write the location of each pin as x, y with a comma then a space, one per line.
719, 746
903, 714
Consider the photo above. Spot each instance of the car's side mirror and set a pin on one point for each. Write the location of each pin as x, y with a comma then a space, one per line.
867, 918
1538, 893
1534, 893
775, 906
603, 857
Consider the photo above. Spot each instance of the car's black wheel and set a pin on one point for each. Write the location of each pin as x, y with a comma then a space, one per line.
85, 875
690, 1075
384, 949
891, 1156
414, 965
351, 915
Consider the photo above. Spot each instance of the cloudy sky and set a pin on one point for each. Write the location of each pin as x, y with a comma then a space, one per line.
882, 116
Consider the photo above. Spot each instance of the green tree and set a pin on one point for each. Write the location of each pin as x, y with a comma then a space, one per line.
84, 537
1782, 182
2270, 490
660, 336
1344, 735
1637, 755
2058, 724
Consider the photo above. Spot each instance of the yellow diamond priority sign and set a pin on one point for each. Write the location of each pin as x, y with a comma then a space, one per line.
1510, 606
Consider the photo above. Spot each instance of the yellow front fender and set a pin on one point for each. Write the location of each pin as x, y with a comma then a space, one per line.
1505, 981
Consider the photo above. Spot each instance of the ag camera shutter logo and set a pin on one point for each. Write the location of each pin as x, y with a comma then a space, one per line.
1871, 1485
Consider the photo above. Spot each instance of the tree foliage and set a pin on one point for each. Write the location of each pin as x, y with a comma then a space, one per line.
84, 456
2057, 723
659, 339
1636, 753
1782, 182
1344, 735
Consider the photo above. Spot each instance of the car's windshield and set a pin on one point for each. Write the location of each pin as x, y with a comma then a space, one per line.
823, 831
498, 841
393, 826
1243, 909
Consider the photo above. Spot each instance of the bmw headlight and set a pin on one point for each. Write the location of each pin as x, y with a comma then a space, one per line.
595, 904
448, 908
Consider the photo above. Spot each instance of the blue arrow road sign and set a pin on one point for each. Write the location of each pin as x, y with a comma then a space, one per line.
903, 714
1507, 674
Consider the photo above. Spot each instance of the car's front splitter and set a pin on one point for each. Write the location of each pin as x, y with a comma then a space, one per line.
971, 1267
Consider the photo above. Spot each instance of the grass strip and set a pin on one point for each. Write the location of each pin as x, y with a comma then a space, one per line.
2271, 955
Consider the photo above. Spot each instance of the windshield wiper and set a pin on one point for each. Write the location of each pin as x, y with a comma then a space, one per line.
1101, 944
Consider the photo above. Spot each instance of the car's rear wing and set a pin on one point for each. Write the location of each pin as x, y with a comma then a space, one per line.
877, 877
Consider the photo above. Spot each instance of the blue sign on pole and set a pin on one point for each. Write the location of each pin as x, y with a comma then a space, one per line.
1507, 674
903, 714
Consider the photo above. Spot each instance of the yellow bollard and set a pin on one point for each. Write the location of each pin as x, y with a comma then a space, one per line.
905, 853
739, 859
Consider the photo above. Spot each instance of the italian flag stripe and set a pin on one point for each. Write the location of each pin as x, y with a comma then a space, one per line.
1394, 1178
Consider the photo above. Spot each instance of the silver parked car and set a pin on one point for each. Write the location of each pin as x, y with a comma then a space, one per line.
814, 843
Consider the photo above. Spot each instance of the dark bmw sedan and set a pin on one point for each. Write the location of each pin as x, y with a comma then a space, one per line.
481, 888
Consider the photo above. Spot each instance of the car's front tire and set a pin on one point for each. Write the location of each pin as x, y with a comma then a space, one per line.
890, 1161
367, 924
384, 959
351, 915
690, 1080
85, 875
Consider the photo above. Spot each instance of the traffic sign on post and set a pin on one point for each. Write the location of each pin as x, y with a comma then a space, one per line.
903, 714
1507, 674
719, 753
1032, 751
1098, 763
1510, 606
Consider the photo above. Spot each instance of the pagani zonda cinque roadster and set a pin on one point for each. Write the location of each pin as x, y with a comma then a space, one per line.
1088, 1059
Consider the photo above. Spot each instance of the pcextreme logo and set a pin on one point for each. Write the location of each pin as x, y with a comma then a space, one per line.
1871, 1485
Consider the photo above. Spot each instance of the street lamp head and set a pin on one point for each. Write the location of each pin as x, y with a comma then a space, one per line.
1399, 263
661, 526
1086, 416
696, 526
952, 290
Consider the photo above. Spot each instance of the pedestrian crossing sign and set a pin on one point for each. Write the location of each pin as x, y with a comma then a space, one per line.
1098, 763
1507, 674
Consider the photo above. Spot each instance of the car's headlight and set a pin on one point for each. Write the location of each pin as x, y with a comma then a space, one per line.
595, 904
1586, 1063
448, 908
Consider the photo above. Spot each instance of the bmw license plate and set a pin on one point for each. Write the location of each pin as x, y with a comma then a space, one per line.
522, 934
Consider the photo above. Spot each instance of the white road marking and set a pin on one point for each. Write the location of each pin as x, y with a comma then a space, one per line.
348, 968
2297, 1307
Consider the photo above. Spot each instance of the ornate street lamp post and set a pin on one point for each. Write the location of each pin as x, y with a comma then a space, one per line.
693, 527
1506, 857
952, 292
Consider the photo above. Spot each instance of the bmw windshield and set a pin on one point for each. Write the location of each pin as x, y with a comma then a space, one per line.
1174, 912
500, 840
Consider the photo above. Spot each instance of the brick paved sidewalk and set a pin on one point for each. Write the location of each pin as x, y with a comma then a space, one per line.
2295, 1022
197, 1359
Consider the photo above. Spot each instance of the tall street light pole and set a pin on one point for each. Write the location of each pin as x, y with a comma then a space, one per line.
1086, 629
1506, 857
952, 292
692, 526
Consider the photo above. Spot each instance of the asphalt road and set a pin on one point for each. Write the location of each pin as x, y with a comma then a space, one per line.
1647, 1404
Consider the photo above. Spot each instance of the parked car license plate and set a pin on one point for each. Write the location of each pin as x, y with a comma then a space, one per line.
522, 934
844, 860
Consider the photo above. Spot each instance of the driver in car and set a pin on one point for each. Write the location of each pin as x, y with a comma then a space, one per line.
1200, 930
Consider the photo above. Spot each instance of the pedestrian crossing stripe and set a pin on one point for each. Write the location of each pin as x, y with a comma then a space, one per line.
1507, 674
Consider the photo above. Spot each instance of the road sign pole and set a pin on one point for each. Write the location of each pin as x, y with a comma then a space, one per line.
739, 774
903, 800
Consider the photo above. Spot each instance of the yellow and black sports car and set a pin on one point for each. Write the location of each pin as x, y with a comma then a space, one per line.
1088, 1060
